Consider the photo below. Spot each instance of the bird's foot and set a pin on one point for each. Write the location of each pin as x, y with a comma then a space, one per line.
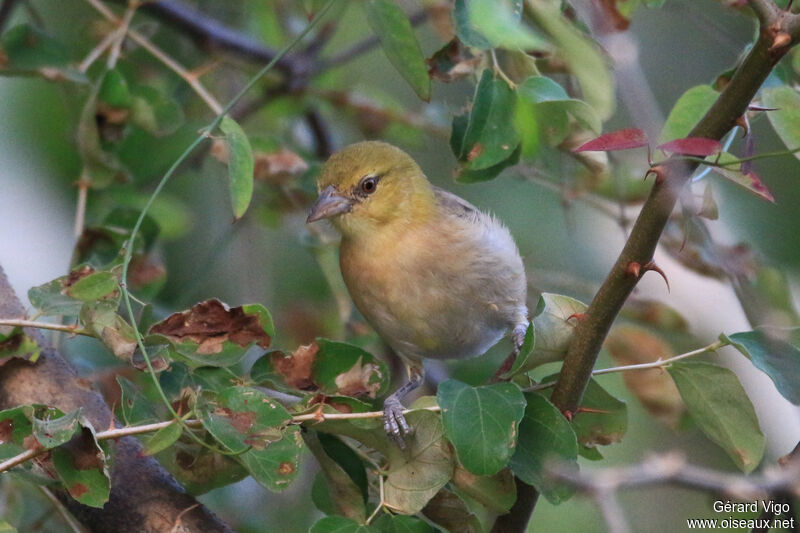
394, 422
518, 336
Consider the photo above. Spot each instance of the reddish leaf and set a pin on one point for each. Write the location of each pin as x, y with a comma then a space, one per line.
616, 140
758, 187
697, 146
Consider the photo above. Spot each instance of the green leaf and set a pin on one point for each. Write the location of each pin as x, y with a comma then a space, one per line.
95, 286
81, 465
336, 492
15, 427
16, 344
775, 352
399, 43
687, 112
114, 91
750, 181
275, 464
419, 472
162, 439
341, 368
497, 493
544, 435
155, 112
27, 50
240, 166
604, 427
582, 56
134, 408
554, 328
465, 30
481, 423
465, 175
489, 137
500, 22
786, 119
53, 428
243, 417
720, 407
520, 363
49, 299
5, 527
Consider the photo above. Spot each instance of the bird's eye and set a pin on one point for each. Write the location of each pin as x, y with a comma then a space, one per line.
368, 185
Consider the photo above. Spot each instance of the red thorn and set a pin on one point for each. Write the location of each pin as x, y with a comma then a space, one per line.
781, 40
659, 171
633, 269
743, 123
650, 265
576, 316
568, 414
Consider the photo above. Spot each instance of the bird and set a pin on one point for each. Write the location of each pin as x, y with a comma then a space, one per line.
433, 275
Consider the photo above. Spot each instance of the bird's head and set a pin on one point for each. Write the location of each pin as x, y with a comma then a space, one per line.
369, 185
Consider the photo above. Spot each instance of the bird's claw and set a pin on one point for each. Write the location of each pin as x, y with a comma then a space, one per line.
518, 337
394, 422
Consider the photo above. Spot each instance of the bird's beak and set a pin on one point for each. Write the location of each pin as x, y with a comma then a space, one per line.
329, 204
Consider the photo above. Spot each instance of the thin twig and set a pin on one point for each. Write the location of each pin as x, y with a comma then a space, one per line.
80, 205
660, 363
127, 431
113, 55
73, 524
18, 322
97, 51
162, 56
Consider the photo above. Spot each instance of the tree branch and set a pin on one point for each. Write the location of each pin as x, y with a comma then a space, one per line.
765, 10
731, 104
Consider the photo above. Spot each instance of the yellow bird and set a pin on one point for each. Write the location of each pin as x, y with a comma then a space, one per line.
435, 277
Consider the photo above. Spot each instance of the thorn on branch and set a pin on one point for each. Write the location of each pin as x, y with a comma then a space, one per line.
780, 41
743, 123
660, 172
577, 316
650, 265
633, 269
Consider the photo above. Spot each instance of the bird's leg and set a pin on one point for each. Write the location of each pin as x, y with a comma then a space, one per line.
393, 420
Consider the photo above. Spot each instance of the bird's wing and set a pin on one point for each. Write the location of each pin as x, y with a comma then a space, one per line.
455, 205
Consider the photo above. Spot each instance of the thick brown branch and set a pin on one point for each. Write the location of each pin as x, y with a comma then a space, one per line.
765, 10
144, 497
641, 244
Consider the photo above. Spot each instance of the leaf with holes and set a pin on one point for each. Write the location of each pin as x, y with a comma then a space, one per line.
82, 466
274, 464
399, 43
719, 406
544, 435
243, 417
212, 334
481, 423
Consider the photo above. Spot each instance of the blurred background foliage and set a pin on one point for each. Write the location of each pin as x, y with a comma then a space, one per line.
566, 225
